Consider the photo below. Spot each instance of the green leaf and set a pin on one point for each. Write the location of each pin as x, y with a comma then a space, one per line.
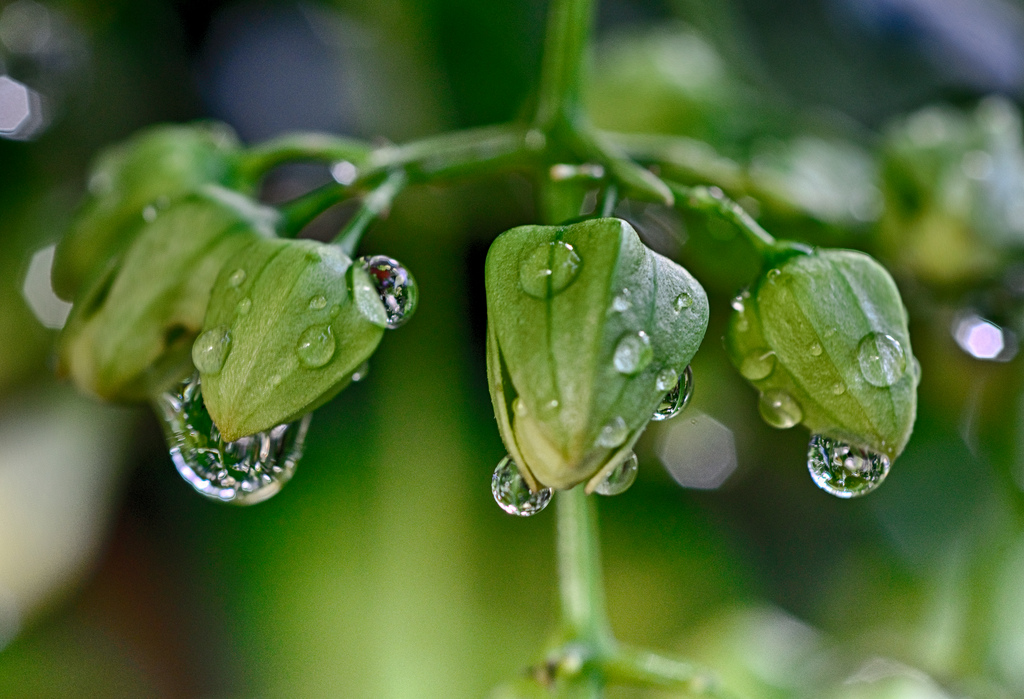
829, 330
288, 324
151, 169
582, 319
131, 328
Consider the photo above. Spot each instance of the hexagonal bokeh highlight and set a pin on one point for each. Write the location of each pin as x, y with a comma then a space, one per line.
698, 451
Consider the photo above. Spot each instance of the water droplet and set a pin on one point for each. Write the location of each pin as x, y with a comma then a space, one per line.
843, 470
838, 388
335, 310
519, 407
396, 286
738, 303
236, 278
915, 368
666, 379
620, 478
633, 353
316, 346
360, 373
779, 409
758, 364
684, 300
613, 433
676, 400
816, 349
881, 358
243, 307
211, 349
243, 472
149, 214
774, 273
551, 406
621, 303
549, 269
513, 494
317, 303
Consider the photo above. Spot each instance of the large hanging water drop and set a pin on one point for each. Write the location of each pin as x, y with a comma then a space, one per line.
633, 353
396, 286
620, 478
549, 269
882, 359
843, 470
676, 400
779, 409
243, 472
513, 494
211, 349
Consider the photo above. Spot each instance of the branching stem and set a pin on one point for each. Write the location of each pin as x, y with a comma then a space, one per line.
375, 204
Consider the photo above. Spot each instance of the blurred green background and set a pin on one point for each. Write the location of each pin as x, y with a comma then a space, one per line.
384, 569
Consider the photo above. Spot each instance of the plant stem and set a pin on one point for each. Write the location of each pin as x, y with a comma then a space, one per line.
374, 205
299, 212
580, 583
460, 153
262, 158
642, 668
569, 26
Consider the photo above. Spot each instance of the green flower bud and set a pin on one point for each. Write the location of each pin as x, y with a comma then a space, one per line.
129, 182
587, 331
131, 328
289, 323
824, 337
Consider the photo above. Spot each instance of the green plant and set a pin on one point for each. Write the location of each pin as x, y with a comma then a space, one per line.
189, 274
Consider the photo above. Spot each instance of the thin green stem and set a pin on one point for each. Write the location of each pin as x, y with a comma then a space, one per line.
264, 157
375, 204
580, 583
610, 200
713, 199
641, 668
569, 26
456, 154
298, 213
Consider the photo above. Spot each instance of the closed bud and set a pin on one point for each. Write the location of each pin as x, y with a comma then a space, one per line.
129, 183
823, 336
131, 328
588, 330
288, 324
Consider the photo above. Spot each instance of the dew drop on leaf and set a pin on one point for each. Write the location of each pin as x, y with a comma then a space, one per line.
621, 303
779, 409
316, 346
758, 364
549, 269
513, 494
682, 301
243, 307
633, 353
236, 278
843, 470
211, 349
396, 287
620, 478
613, 433
816, 349
244, 472
676, 400
318, 302
882, 359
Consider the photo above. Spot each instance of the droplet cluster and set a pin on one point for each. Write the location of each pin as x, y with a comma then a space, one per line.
243, 472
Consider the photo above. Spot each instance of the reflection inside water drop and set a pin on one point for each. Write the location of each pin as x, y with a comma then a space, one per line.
620, 478
396, 286
513, 494
676, 400
243, 472
844, 470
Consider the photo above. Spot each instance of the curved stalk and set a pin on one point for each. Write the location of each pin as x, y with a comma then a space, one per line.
375, 204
